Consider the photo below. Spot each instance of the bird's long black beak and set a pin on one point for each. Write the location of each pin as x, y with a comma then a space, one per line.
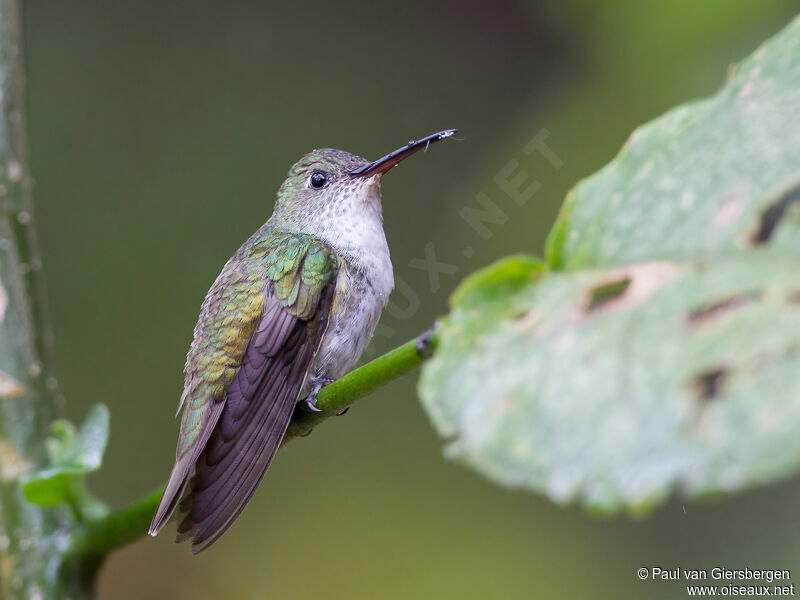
382, 165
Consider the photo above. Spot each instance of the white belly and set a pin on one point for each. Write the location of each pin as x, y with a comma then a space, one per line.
362, 295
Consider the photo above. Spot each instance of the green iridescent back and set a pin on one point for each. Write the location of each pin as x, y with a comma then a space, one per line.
297, 266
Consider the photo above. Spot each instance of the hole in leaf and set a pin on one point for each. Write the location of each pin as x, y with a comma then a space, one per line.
773, 214
708, 384
702, 315
606, 292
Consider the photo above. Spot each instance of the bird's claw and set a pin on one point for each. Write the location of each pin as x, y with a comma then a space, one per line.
311, 403
316, 385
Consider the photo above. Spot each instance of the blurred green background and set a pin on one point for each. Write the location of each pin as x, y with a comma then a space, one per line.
159, 135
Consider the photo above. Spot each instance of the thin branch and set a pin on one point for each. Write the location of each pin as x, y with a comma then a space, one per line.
339, 395
95, 539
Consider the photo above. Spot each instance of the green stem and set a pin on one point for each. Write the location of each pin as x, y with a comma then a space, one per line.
339, 395
93, 540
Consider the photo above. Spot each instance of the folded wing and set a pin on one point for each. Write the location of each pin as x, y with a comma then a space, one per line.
233, 437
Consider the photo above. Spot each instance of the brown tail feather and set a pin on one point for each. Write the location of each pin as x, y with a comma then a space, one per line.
179, 476
245, 440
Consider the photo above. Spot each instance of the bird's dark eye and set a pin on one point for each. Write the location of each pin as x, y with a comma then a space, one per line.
318, 179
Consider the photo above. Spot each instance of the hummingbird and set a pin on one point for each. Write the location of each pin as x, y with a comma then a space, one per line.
291, 311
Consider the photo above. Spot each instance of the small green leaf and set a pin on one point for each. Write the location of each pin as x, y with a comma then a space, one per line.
93, 437
61, 446
48, 487
73, 454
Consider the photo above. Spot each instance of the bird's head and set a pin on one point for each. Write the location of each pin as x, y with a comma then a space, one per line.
329, 187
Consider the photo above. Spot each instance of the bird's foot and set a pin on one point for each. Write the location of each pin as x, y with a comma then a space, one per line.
316, 385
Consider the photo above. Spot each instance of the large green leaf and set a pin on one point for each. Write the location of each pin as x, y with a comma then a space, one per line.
710, 178
617, 385
663, 350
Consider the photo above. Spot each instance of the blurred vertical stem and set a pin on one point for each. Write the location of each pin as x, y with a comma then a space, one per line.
32, 539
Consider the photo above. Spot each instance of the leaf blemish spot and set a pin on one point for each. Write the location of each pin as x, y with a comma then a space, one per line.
772, 215
606, 292
625, 287
708, 384
710, 312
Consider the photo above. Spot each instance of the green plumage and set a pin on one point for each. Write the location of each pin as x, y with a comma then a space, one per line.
297, 266
259, 327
